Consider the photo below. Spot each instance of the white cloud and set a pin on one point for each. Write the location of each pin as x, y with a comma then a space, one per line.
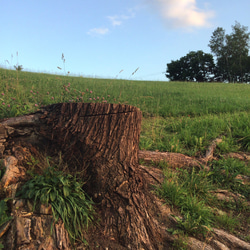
181, 13
98, 31
117, 20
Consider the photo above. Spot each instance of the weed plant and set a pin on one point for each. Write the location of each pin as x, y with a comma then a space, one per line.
66, 196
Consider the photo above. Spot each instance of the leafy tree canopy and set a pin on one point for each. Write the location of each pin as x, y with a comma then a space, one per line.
233, 61
195, 66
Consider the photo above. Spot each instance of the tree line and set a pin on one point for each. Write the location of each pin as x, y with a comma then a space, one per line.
232, 62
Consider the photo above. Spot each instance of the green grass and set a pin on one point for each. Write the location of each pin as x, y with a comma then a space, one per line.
66, 196
192, 135
189, 191
224, 172
165, 99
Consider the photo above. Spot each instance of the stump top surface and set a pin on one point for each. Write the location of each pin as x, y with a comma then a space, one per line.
91, 109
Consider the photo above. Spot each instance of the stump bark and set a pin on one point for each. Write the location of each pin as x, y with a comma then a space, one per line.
101, 141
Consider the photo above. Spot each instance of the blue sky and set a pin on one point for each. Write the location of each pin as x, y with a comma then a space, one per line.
111, 38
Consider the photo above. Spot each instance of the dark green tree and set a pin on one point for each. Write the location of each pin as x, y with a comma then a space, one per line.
232, 53
195, 66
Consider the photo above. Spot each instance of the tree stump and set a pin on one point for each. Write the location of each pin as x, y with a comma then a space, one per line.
102, 142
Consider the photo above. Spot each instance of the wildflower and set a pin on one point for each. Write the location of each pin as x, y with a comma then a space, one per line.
103, 98
83, 93
2, 93
48, 93
13, 98
8, 105
52, 98
66, 90
90, 91
90, 98
94, 99
108, 95
31, 91
97, 97
3, 103
36, 105
87, 90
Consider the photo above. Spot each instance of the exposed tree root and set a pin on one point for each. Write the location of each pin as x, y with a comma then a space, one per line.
175, 160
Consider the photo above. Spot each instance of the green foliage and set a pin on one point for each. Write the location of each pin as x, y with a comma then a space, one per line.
224, 174
197, 183
228, 221
195, 66
181, 243
193, 135
187, 191
4, 216
190, 192
193, 224
233, 62
66, 196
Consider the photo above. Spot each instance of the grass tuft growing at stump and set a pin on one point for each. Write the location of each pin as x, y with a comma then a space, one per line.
66, 197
